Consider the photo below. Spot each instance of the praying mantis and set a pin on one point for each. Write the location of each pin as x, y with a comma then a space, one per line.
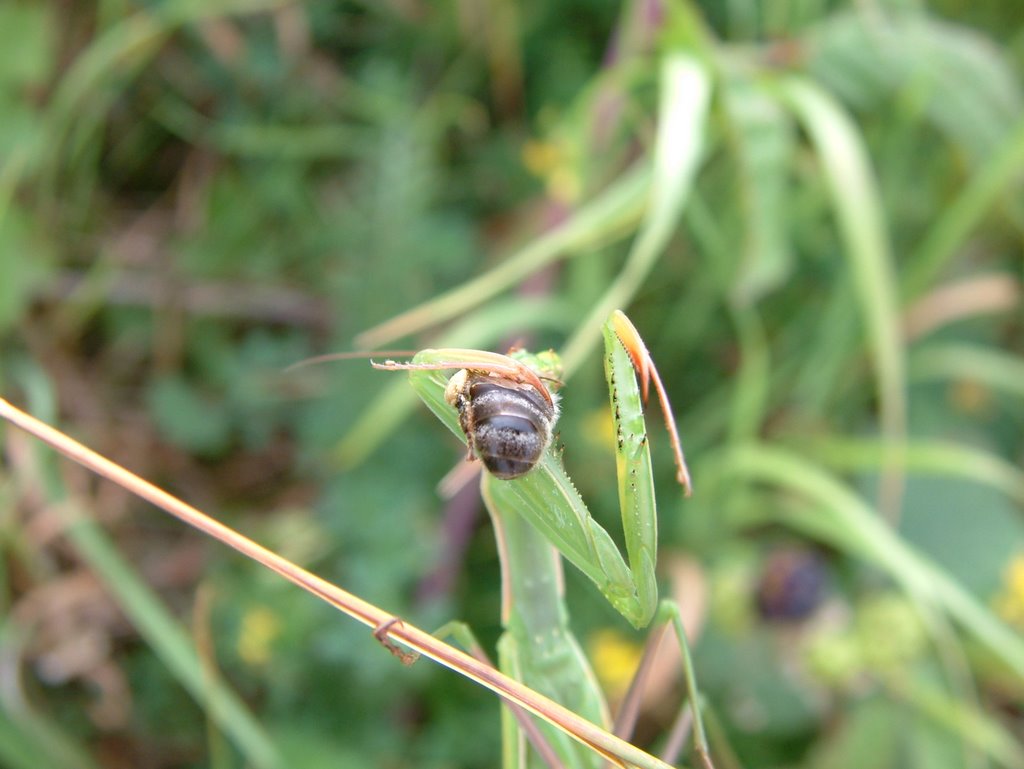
505, 408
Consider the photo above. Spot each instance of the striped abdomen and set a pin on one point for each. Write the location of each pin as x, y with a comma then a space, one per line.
508, 426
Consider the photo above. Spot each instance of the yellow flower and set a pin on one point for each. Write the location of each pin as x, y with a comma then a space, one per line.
541, 157
260, 627
1015, 576
1009, 603
615, 659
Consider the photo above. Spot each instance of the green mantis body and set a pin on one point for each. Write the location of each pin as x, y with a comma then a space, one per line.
540, 515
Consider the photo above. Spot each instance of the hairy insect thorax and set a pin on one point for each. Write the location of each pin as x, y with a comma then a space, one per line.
508, 425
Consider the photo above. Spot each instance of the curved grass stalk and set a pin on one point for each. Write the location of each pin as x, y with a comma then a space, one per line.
967, 722
926, 457
684, 102
953, 225
857, 204
997, 370
29, 739
685, 98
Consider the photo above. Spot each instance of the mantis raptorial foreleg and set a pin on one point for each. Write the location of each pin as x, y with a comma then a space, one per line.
504, 410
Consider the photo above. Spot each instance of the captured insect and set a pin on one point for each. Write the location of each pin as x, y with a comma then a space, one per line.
505, 407
508, 420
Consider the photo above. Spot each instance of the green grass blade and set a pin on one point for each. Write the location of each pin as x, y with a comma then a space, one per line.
857, 204
998, 370
940, 458
952, 226
29, 739
947, 73
971, 725
685, 98
751, 391
762, 133
171, 643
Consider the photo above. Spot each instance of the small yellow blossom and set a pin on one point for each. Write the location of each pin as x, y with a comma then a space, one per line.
260, 627
615, 659
541, 157
1015, 576
1009, 603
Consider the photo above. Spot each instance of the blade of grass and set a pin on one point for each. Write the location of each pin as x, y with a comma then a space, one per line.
858, 208
762, 135
752, 379
684, 101
167, 638
971, 725
993, 368
952, 226
925, 456
30, 739
19, 750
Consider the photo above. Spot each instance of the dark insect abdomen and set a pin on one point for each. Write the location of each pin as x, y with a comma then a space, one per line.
511, 427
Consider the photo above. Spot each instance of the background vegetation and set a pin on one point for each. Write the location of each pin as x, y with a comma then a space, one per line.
194, 196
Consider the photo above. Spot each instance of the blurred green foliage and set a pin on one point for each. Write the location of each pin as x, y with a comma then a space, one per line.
194, 196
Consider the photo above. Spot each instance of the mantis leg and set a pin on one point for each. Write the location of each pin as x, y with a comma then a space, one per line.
668, 621
669, 612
